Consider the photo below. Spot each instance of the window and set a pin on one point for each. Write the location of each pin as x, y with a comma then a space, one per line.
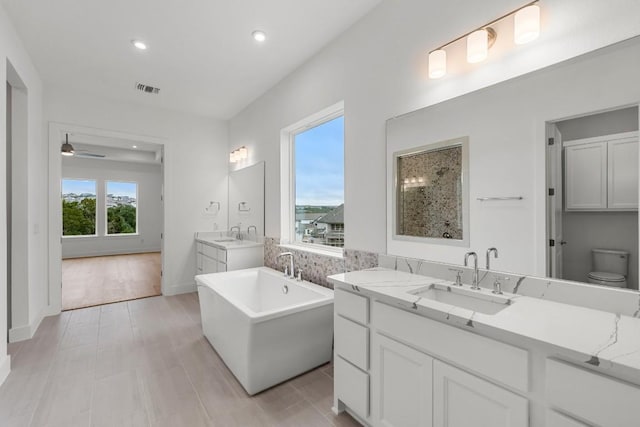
315, 179
78, 207
122, 207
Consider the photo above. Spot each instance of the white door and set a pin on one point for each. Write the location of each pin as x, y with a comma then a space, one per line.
402, 385
554, 205
463, 400
623, 173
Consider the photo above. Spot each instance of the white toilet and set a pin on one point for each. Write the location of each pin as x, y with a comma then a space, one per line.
609, 267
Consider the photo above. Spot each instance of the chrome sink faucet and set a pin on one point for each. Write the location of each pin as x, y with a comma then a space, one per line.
290, 271
490, 251
239, 234
474, 283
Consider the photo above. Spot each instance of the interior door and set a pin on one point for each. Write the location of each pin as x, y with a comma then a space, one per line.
554, 205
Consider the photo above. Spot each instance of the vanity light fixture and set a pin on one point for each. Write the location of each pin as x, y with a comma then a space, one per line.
437, 63
67, 149
526, 25
241, 153
479, 41
259, 36
139, 44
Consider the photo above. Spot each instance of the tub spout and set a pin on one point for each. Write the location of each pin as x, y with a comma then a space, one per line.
290, 273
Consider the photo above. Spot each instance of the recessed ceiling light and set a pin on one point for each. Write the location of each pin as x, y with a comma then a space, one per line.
134, 146
259, 36
139, 44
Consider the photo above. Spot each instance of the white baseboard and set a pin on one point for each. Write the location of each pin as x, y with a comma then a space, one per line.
110, 252
184, 288
5, 367
26, 332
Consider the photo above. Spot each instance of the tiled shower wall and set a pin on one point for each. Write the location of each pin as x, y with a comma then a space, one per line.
315, 267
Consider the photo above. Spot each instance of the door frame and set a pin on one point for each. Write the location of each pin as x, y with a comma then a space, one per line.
56, 136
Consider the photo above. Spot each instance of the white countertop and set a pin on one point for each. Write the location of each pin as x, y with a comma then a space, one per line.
608, 341
222, 241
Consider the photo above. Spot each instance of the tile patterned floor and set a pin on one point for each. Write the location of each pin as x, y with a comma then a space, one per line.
146, 363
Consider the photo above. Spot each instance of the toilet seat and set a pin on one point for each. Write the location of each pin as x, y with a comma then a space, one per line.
606, 277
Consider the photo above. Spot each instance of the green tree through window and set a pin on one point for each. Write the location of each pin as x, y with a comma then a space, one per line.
78, 207
122, 205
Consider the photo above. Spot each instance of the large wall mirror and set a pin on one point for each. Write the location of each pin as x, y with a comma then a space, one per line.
431, 196
508, 126
246, 199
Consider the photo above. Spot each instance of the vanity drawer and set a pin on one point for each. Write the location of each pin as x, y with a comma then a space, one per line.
221, 255
210, 251
591, 396
352, 342
351, 306
351, 387
499, 361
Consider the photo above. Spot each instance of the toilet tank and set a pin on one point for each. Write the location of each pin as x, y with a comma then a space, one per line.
610, 261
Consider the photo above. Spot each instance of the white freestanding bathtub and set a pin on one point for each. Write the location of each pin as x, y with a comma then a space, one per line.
264, 335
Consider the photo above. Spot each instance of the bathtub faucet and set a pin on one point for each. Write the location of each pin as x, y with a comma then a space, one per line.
290, 271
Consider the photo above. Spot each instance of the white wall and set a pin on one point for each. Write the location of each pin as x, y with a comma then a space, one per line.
607, 123
149, 180
196, 165
29, 309
379, 67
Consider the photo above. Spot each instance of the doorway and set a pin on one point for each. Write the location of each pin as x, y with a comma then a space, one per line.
592, 177
108, 217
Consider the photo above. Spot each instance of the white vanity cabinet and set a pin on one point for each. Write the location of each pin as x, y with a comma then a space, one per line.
351, 353
589, 396
390, 370
601, 173
215, 259
461, 400
403, 392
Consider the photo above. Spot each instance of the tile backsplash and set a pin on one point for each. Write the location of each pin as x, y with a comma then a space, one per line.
316, 267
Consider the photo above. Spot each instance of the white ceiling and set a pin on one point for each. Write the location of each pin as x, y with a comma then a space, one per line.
201, 53
115, 149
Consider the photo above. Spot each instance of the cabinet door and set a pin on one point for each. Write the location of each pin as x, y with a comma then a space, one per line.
221, 266
402, 385
623, 174
586, 176
462, 400
556, 419
209, 265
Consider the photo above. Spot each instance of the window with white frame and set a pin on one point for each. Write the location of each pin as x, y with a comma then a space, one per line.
313, 171
122, 207
78, 207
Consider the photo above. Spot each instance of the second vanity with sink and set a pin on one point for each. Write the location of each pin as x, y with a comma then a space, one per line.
412, 350
216, 252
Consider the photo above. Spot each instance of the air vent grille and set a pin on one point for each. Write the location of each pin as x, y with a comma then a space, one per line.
147, 89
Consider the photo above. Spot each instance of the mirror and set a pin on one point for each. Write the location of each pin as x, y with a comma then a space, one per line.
246, 199
432, 193
507, 129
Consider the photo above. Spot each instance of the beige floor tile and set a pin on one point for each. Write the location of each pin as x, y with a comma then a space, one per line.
146, 363
63, 400
301, 413
172, 397
118, 401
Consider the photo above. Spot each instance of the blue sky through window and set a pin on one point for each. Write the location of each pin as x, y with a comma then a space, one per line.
121, 188
319, 164
78, 186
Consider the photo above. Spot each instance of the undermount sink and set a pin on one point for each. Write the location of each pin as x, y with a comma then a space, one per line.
482, 301
224, 240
